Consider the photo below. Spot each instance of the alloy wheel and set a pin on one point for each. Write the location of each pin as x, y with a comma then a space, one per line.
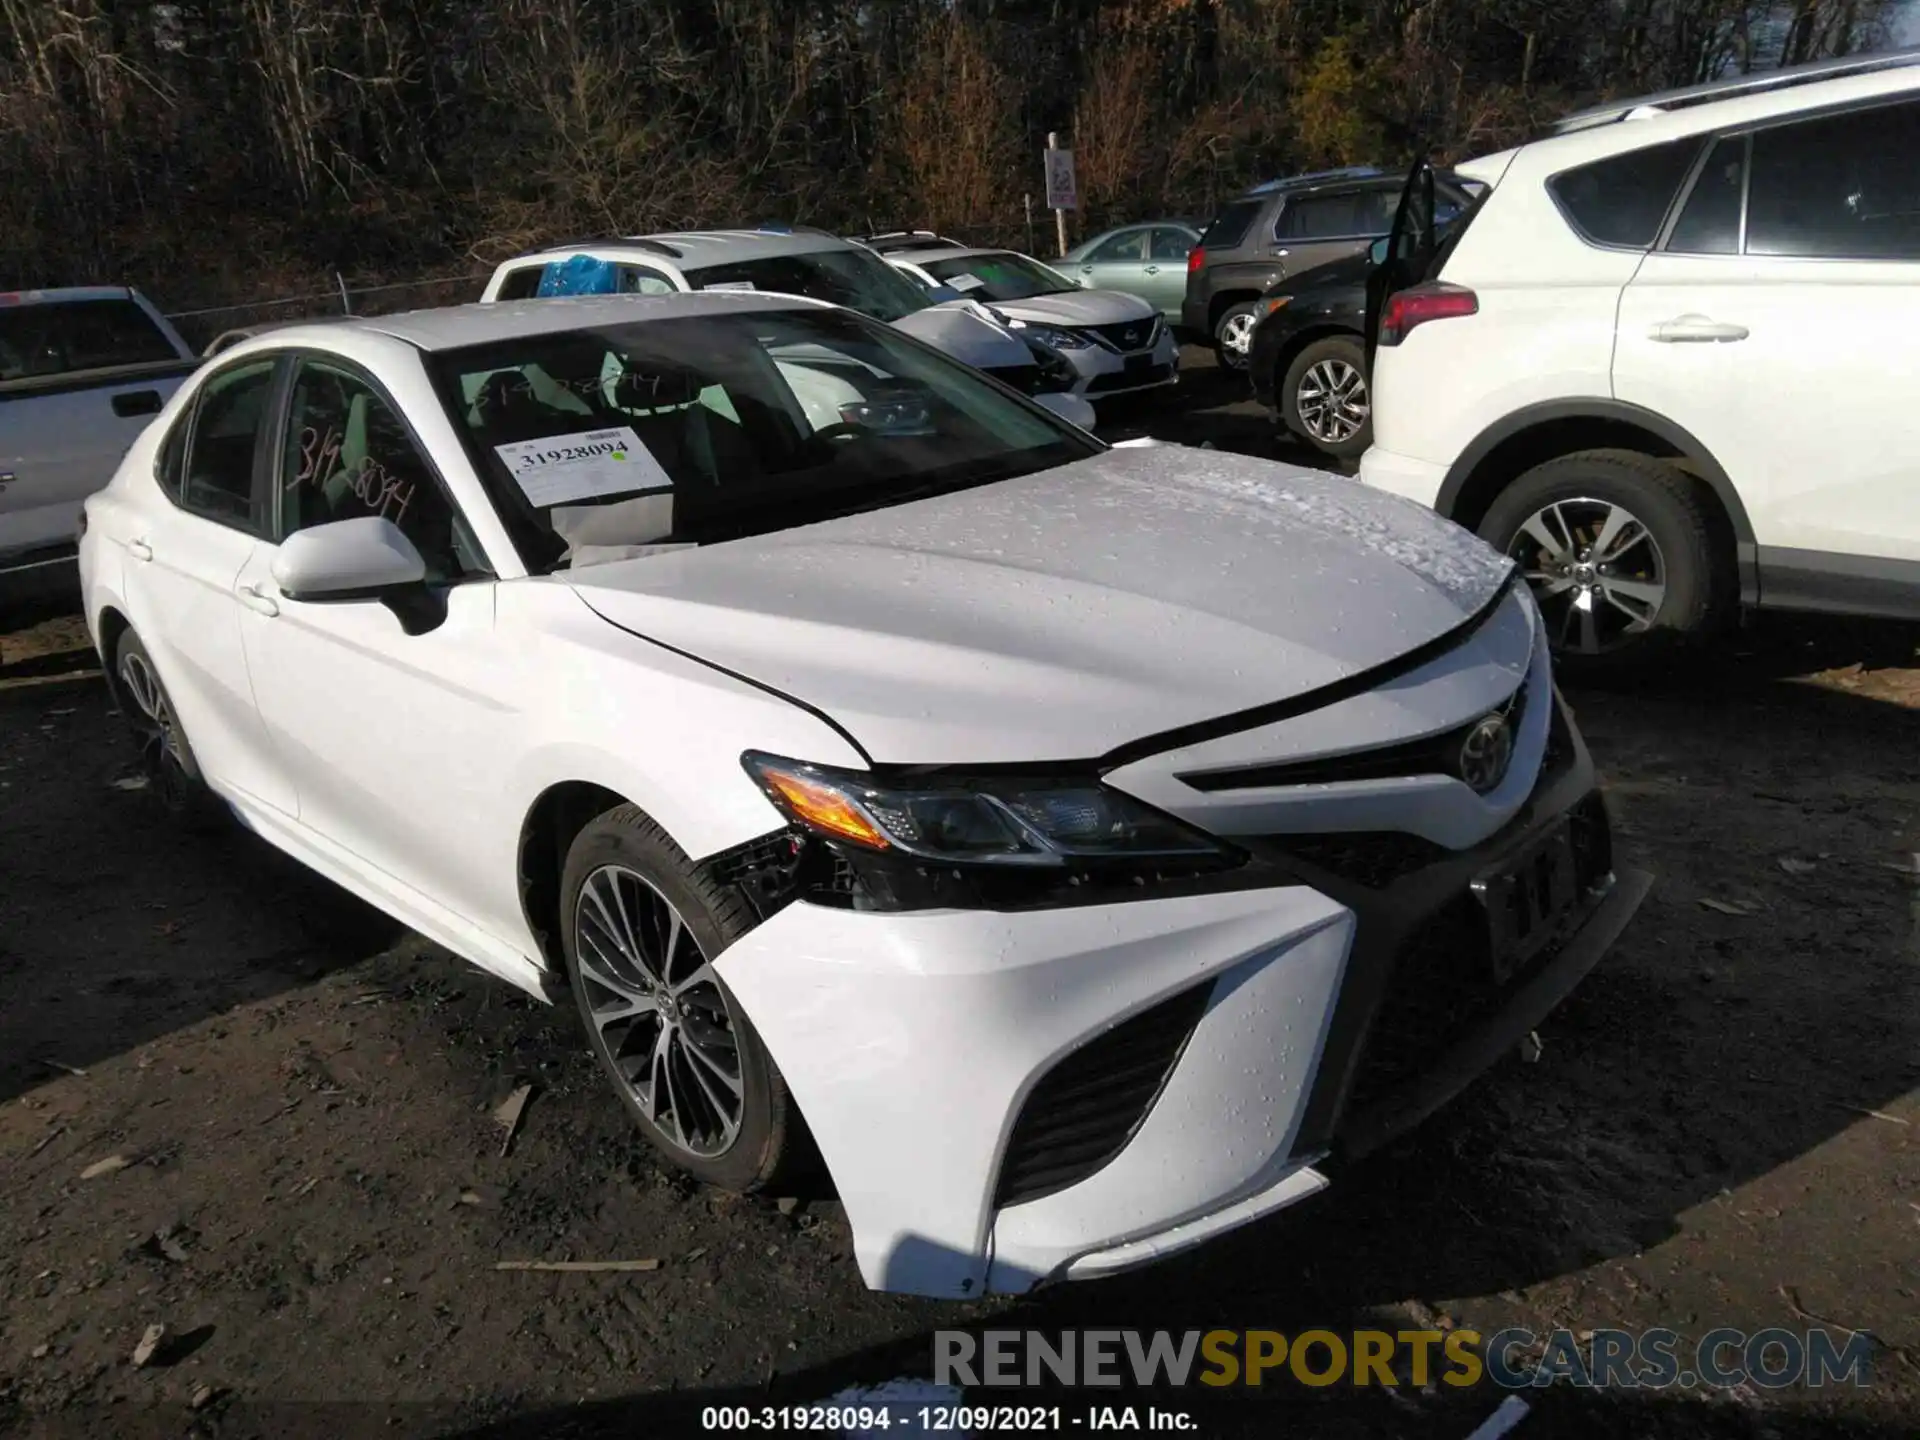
1596, 570
1332, 401
161, 752
659, 1011
1236, 334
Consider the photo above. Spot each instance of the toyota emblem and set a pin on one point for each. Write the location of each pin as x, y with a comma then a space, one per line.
1486, 753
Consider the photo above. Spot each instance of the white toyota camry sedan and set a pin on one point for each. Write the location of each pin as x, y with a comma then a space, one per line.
1080, 850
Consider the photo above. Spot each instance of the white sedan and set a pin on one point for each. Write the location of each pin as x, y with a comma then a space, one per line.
1086, 841
1119, 343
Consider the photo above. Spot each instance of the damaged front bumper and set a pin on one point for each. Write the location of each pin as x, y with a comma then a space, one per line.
1005, 1099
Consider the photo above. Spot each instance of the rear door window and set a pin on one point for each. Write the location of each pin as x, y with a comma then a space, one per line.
65, 337
1353, 215
1621, 201
1709, 221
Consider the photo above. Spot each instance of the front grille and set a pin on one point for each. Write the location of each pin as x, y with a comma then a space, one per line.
1434, 755
1442, 981
1374, 858
1130, 379
1127, 335
1085, 1110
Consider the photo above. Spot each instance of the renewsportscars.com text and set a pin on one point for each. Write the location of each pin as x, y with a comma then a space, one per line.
1512, 1359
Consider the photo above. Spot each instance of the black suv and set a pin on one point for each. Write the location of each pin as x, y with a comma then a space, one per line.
1282, 229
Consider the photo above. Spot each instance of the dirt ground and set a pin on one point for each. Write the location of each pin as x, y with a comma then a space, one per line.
236, 1102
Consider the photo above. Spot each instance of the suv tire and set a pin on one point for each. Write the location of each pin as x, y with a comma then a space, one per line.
1658, 581
1237, 320
1338, 362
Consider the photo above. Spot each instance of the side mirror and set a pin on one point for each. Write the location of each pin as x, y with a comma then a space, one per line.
366, 558
1377, 252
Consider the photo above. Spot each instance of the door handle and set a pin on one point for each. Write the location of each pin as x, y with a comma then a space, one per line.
254, 598
140, 549
1086, 269
137, 402
1153, 269
1696, 330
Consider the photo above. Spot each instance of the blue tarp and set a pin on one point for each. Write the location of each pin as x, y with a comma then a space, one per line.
579, 275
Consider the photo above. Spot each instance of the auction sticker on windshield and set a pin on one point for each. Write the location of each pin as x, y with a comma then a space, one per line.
583, 466
964, 283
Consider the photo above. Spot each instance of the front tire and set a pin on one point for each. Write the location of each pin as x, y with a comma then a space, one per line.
1619, 548
1324, 398
1233, 335
641, 927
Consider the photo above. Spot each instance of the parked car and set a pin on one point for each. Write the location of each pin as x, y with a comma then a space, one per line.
1147, 260
1118, 344
1281, 229
82, 372
797, 261
1663, 362
1085, 840
1307, 358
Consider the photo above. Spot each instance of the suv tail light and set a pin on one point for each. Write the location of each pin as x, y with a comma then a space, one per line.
1411, 308
1196, 260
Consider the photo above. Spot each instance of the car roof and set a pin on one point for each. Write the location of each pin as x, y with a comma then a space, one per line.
454, 326
693, 249
950, 252
70, 292
1316, 178
1645, 126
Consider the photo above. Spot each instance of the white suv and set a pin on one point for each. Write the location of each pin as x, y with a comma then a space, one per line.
1664, 361
800, 260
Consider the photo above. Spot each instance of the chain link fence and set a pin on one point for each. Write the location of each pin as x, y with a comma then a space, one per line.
202, 327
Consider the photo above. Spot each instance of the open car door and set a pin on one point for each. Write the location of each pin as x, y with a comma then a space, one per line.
1404, 257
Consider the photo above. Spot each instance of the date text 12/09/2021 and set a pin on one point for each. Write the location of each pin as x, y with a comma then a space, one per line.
877, 1419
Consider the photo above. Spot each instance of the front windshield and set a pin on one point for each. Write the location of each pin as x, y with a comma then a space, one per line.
853, 278
1000, 275
600, 443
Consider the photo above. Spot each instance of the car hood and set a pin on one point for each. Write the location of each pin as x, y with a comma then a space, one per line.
1063, 614
962, 330
1078, 307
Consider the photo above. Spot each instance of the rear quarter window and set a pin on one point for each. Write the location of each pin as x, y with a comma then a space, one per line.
1230, 226
65, 337
1621, 201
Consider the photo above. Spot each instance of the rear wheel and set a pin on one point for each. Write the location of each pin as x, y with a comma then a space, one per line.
1324, 399
1233, 334
642, 928
173, 774
1619, 550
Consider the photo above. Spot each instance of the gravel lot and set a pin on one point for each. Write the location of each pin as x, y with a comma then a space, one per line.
1723, 1129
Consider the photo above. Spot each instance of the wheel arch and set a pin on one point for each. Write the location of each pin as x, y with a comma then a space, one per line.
1310, 334
1531, 436
557, 816
1224, 300
109, 626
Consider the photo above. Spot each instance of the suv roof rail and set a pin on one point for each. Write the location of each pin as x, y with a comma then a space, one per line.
1317, 177
630, 242
1733, 86
886, 240
781, 227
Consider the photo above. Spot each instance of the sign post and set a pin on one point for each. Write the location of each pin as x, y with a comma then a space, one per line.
1063, 194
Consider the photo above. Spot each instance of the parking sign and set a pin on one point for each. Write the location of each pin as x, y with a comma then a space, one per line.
1062, 191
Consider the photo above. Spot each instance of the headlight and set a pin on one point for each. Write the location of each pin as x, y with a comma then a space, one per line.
1053, 335
987, 821
1056, 371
